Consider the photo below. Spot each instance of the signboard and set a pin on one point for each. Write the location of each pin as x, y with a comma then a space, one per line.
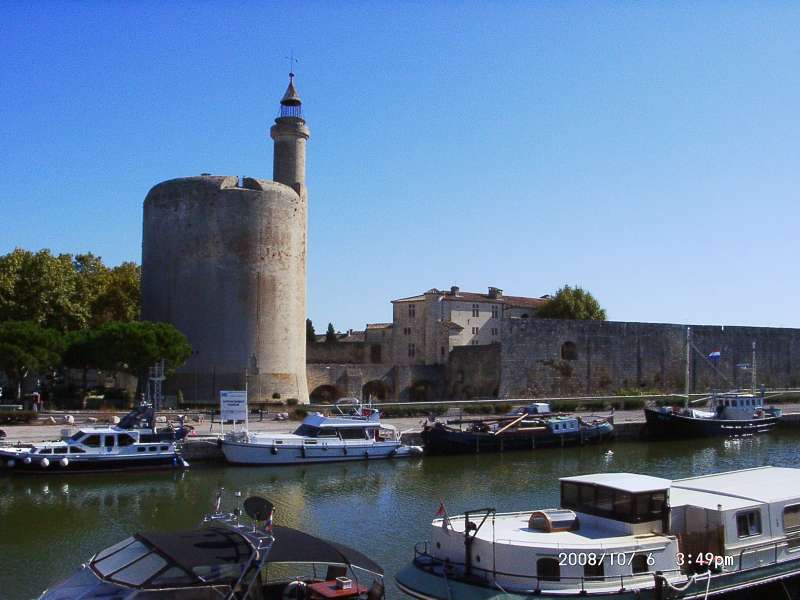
233, 405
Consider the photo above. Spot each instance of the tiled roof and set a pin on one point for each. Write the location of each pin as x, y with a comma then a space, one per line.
511, 301
451, 325
379, 325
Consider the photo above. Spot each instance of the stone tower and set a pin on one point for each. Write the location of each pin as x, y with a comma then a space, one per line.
224, 260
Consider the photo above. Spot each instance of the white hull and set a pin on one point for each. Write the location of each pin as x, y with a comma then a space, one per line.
286, 454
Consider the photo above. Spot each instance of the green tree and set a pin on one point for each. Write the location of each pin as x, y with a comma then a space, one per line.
330, 334
27, 348
118, 300
311, 335
572, 303
43, 288
66, 292
84, 350
136, 346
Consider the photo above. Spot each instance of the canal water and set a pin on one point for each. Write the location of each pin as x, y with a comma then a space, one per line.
49, 524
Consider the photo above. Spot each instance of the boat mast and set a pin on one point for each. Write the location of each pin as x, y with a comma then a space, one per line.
753, 371
688, 364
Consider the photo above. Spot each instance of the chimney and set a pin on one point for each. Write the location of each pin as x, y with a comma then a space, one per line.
495, 293
454, 290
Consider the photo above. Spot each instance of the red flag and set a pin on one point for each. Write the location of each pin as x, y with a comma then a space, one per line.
442, 512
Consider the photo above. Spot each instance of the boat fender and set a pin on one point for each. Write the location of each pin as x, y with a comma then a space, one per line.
45, 463
174, 462
27, 460
303, 451
64, 462
344, 450
366, 454
274, 450
11, 463
294, 590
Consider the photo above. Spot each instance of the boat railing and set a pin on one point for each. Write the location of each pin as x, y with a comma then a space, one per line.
771, 550
424, 560
594, 546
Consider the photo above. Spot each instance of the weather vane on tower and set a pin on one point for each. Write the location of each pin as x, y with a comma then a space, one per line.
292, 61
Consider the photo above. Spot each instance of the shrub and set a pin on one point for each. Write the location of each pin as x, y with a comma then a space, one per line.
299, 414
17, 416
290, 401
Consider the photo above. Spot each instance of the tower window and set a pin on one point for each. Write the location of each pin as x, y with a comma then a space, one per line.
474, 331
412, 351
407, 330
476, 310
412, 311
495, 311
494, 330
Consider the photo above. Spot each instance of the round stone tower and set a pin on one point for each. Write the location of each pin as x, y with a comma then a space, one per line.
224, 260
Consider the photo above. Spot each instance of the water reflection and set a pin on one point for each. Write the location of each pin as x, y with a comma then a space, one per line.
50, 524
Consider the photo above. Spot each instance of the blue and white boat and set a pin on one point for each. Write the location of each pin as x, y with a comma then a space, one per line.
134, 443
355, 433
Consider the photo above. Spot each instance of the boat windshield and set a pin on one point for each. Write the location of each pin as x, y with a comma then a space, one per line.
307, 430
201, 557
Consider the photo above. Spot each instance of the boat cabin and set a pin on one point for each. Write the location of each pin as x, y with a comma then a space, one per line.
564, 425
633, 503
736, 406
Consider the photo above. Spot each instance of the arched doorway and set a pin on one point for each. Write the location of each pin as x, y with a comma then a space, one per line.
324, 394
376, 390
421, 391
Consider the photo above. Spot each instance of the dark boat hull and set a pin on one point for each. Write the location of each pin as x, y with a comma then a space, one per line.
93, 465
440, 439
672, 425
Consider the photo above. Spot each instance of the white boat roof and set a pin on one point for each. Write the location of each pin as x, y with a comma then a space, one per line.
626, 482
512, 529
318, 420
762, 484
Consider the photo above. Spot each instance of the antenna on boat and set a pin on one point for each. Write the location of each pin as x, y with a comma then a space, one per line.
688, 364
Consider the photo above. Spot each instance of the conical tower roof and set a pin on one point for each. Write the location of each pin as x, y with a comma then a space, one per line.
291, 97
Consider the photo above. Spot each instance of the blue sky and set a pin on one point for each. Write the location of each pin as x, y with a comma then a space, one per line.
646, 151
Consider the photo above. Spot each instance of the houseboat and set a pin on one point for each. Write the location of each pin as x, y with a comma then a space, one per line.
134, 443
529, 427
355, 433
225, 559
621, 536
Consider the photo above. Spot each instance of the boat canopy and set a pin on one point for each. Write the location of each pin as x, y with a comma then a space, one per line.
218, 545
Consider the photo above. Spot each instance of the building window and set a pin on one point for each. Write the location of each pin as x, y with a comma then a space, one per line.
375, 353
407, 330
441, 351
474, 331
569, 351
474, 342
495, 311
476, 310
412, 351
748, 523
494, 330
412, 311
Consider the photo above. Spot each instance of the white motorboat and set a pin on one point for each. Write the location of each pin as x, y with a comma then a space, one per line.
135, 443
621, 536
355, 433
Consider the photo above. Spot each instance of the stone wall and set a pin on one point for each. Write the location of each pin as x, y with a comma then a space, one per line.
336, 353
547, 357
473, 372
